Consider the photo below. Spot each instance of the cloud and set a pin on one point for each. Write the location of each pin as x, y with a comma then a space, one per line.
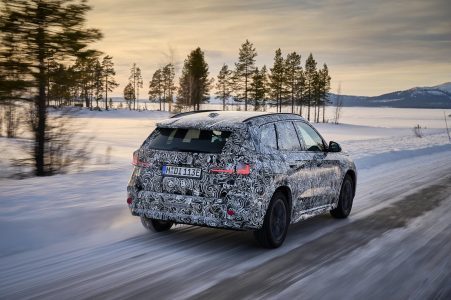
352, 37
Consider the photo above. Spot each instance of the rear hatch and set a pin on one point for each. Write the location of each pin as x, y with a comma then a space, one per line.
188, 161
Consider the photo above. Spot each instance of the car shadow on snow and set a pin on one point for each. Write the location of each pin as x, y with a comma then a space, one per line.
206, 239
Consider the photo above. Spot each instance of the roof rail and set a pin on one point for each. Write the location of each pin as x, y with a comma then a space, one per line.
187, 113
269, 114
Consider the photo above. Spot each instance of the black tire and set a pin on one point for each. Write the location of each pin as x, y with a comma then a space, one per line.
156, 225
345, 200
275, 224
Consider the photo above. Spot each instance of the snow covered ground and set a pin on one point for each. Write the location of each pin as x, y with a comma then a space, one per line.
72, 235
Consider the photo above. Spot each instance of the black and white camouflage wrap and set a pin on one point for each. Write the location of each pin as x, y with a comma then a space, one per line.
312, 180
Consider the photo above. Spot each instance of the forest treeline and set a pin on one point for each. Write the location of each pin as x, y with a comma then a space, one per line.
47, 65
287, 83
45, 61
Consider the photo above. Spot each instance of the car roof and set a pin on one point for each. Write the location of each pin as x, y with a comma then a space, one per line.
223, 119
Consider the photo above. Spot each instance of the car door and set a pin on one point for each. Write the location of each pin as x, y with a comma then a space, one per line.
326, 167
300, 170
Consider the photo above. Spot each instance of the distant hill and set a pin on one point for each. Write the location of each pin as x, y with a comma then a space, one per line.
444, 87
438, 96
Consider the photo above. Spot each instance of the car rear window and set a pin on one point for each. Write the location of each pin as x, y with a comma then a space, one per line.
188, 140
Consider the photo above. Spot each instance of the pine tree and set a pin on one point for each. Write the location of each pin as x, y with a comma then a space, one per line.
73, 86
224, 85
293, 78
316, 95
244, 69
13, 67
325, 88
184, 90
300, 89
194, 84
108, 77
48, 29
98, 83
277, 79
156, 87
259, 88
129, 95
139, 84
84, 77
311, 77
13, 82
137, 81
59, 84
168, 75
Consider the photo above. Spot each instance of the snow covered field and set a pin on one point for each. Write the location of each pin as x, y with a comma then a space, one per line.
72, 235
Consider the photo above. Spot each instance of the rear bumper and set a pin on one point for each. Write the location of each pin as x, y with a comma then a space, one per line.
211, 212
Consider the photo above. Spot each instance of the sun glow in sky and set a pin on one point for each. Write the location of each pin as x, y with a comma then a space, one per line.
371, 47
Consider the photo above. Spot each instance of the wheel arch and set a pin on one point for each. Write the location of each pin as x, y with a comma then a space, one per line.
352, 174
287, 192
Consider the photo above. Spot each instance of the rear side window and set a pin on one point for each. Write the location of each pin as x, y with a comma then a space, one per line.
287, 137
312, 140
268, 140
188, 140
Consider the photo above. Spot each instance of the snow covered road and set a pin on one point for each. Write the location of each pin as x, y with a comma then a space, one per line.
72, 236
362, 256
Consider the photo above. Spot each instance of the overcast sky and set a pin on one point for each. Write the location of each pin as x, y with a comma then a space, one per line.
371, 47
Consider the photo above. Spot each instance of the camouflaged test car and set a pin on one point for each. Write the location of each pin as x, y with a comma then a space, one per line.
239, 170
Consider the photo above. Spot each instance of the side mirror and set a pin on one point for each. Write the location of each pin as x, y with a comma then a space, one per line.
334, 147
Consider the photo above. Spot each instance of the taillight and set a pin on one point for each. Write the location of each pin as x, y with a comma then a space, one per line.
229, 171
137, 162
242, 169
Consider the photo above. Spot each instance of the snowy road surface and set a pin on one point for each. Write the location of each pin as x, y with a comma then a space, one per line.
71, 236
395, 244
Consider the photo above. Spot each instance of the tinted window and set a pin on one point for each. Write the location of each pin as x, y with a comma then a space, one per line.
268, 141
188, 140
312, 140
287, 137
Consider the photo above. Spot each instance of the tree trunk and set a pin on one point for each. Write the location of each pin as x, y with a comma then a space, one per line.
245, 92
319, 111
9, 118
137, 98
134, 89
86, 98
314, 109
106, 93
48, 85
39, 145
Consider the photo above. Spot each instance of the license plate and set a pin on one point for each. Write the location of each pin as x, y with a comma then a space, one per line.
181, 171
